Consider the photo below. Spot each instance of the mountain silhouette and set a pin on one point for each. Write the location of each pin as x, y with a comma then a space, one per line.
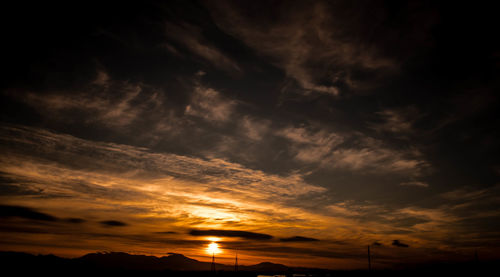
266, 266
140, 262
124, 264
172, 262
128, 262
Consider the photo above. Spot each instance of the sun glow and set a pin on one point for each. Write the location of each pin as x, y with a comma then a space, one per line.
213, 248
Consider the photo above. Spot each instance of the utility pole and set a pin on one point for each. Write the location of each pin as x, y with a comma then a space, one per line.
236, 262
213, 263
369, 260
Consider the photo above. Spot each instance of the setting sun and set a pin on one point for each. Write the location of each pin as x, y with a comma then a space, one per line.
213, 248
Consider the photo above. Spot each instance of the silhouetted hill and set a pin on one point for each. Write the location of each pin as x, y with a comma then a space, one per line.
141, 262
171, 262
266, 267
181, 262
123, 264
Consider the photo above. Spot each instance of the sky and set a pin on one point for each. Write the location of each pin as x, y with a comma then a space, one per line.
296, 132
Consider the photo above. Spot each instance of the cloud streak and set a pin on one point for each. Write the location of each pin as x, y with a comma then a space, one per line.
7, 211
113, 223
298, 239
231, 233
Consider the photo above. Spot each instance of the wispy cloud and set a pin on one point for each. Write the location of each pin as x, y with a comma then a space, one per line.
398, 121
112, 103
415, 184
311, 146
255, 129
210, 105
351, 151
317, 45
466, 194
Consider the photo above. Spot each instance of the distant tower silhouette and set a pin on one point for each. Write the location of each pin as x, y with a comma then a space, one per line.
236, 262
369, 260
213, 263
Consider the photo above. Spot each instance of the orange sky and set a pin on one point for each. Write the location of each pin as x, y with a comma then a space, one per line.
159, 198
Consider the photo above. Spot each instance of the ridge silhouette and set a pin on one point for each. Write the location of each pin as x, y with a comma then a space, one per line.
124, 264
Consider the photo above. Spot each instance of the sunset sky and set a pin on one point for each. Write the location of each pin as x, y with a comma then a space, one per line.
295, 132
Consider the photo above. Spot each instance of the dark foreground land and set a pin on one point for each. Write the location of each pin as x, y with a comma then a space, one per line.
122, 264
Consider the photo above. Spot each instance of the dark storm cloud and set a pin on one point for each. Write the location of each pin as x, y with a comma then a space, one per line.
7, 211
231, 233
399, 244
298, 239
113, 223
